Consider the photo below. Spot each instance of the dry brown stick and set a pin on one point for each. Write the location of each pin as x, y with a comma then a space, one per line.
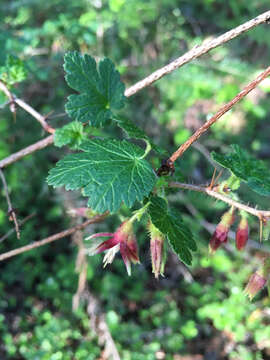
13, 99
41, 144
218, 115
196, 52
11, 211
52, 238
259, 213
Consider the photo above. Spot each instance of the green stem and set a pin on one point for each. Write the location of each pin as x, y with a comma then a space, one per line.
139, 213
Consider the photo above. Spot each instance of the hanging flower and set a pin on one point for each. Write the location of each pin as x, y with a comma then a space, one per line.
221, 233
242, 233
156, 249
255, 284
258, 280
124, 240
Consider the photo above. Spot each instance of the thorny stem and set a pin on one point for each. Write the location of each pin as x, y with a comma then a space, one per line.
196, 52
14, 100
182, 60
52, 238
261, 214
11, 211
190, 55
218, 115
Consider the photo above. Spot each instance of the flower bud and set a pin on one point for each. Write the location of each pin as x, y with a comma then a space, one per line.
255, 284
221, 233
258, 280
242, 234
156, 249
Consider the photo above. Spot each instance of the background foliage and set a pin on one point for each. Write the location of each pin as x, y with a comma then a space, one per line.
196, 310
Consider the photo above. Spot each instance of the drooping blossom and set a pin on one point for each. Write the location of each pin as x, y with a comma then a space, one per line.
156, 249
123, 240
258, 280
255, 284
242, 234
220, 235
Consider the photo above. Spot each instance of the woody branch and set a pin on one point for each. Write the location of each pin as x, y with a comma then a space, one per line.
261, 214
225, 108
194, 53
52, 238
14, 100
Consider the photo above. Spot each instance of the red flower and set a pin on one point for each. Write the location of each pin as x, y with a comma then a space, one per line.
156, 248
242, 234
221, 233
124, 240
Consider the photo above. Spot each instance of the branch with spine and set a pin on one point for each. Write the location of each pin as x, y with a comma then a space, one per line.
158, 74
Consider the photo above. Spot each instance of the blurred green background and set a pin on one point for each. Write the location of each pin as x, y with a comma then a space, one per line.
192, 313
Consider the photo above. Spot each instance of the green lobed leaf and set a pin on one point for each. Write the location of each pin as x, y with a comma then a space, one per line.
101, 90
250, 170
169, 222
70, 134
13, 71
133, 131
109, 171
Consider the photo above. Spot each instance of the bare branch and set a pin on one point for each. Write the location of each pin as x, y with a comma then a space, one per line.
11, 211
196, 52
14, 100
261, 214
11, 231
225, 108
41, 144
40, 118
52, 238
6, 91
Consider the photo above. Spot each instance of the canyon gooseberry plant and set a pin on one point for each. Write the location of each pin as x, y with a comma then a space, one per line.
114, 172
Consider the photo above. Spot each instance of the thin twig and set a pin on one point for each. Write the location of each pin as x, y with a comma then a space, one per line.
6, 91
11, 231
218, 115
52, 238
11, 211
10, 96
196, 52
13, 99
259, 213
41, 144
40, 118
